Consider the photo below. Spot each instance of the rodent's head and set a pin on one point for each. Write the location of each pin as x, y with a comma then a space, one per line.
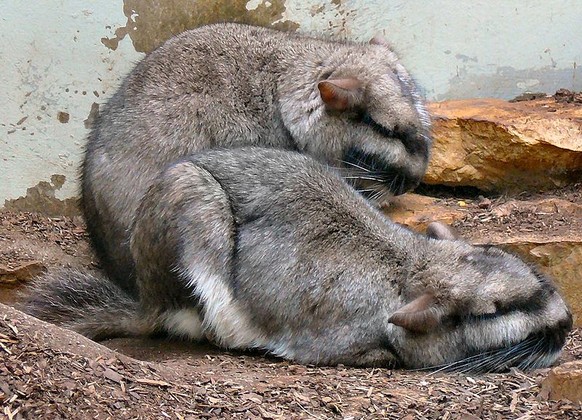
484, 311
366, 115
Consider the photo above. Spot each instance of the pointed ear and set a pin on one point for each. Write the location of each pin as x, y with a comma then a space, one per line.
341, 94
438, 230
380, 40
419, 316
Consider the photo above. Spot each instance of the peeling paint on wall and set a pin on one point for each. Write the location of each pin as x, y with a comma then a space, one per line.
41, 199
150, 23
63, 117
53, 68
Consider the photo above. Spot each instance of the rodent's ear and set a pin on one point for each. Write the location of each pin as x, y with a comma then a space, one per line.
341, 94
380, 40
419, 316
438, 230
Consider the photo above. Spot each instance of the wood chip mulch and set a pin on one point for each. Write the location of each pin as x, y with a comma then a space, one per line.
86, 380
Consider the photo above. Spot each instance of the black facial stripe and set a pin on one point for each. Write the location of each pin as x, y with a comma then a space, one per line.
533, 305
412, 142
398, 180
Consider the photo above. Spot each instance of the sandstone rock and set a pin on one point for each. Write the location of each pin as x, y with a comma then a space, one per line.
417, 211
501, 146
23, 272
564, 382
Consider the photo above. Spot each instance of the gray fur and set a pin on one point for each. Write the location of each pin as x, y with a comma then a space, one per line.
230, 85
63, 295
260, 248
438, 230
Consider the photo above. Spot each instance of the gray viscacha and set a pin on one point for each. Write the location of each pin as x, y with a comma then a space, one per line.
270, 249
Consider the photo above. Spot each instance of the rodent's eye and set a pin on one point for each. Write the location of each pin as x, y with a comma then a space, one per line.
457, 320
393, 132
355, 115
366, 118
483, 317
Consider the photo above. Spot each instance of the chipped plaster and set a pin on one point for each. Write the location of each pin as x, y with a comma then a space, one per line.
58, 61
53, 67
149, 26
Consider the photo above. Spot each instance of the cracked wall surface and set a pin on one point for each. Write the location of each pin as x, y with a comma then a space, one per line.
60, 60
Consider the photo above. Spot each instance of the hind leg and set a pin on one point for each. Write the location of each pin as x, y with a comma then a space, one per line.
183, 241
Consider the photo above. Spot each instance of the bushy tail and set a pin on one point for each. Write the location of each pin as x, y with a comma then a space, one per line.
86, 303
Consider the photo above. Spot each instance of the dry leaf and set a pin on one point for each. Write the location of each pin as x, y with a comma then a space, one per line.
112, 375
152, 382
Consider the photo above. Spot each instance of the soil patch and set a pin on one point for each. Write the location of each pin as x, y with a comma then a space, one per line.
556, 213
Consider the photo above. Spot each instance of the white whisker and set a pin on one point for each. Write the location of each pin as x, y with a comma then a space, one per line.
356, 166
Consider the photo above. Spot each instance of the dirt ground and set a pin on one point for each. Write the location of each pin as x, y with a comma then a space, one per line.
47, 372
552, 214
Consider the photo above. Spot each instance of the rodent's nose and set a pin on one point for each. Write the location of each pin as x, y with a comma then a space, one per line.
567, 322
559, 334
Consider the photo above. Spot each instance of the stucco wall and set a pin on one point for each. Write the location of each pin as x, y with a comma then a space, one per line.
59, 59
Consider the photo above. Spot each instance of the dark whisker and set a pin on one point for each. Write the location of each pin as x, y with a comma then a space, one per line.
524, 355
